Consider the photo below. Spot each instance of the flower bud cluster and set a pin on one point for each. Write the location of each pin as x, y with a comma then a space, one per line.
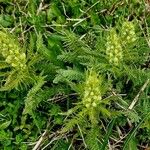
11, 51
113, 48
92, 94
128, 32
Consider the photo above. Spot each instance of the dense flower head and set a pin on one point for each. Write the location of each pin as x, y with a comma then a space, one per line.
11, 51
92, 93
113, 48
128, 32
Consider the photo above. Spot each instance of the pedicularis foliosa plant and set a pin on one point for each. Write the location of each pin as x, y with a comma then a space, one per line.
92, 94
74, 75
114, 48
12, 52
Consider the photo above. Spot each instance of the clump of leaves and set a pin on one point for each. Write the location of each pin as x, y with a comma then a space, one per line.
74, 74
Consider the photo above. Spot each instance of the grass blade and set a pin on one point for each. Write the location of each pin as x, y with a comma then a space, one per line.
132, 132
109, 130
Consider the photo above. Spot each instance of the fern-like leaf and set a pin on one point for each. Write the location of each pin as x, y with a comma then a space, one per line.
68, 75
31, 100
16, 79
71, 123
92, 139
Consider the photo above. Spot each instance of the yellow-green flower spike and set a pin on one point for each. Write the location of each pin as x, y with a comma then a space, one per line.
92, 93
11, 51
113, 48
128, 32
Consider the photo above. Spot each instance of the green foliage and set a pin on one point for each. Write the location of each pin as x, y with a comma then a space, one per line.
32, 101
92, 139
68, 75
109, 130
70, 72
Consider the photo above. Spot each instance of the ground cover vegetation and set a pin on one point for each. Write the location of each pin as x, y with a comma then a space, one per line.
74, 75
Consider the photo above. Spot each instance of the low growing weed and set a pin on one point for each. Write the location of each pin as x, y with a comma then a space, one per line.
74, 75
